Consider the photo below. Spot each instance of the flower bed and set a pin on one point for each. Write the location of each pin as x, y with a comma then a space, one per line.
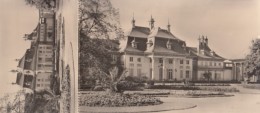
102, 99
219, 88
172, 87
206, 88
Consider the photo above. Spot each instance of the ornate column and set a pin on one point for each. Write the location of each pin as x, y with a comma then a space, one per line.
153, 68
164, 73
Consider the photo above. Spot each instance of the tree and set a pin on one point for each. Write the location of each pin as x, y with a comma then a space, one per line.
41, 4
98, 25
98, 19
252, 63
115, 78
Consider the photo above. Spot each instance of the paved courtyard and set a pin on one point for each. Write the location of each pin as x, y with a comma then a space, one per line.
246, 101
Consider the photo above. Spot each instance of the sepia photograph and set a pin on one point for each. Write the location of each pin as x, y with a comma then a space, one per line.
39, 56
169, 56
129, 56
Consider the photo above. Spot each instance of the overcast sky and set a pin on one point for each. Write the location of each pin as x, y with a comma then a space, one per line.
17, 19
229, 24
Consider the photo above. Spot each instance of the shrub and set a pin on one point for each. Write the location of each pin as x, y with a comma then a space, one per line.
116, 100
130, 86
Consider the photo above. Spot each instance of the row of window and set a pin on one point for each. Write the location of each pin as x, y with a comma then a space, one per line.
170, 61
210, 63
44, 65
131, 59
170, 74
46, 59
45, 47
43, 85
46, 80
132, 65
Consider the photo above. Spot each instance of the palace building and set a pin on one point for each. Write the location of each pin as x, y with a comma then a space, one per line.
36, 66
158, 54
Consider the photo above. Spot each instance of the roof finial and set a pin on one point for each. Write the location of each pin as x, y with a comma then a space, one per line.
151, 22
133, 21
169, 26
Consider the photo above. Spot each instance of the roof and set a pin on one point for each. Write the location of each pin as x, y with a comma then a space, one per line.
138, 31
160, 46
28, 64
21, 62
162, 33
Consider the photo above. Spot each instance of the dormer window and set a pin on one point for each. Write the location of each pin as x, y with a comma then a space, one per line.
184, 46
212, 53
134, 43
149, 43
169, 44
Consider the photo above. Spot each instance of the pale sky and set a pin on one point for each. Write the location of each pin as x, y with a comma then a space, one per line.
16, 20
229, 24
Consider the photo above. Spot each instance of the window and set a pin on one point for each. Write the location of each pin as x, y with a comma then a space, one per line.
181, 61
38, 85
139, 65
39, 65
206, 63
39, 80
187, 74
48, 65
131, 65
48, 59
131, 59
114, 58
49, 34
210, 63
170, 61
215, 64
139, 59
39, 58
131, 72
160, 60
219, 64
48, 47
139, 72
169, 72
151, 60
181, 73
187, 62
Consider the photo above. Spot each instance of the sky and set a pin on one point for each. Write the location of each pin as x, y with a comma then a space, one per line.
230, 25
17, 19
